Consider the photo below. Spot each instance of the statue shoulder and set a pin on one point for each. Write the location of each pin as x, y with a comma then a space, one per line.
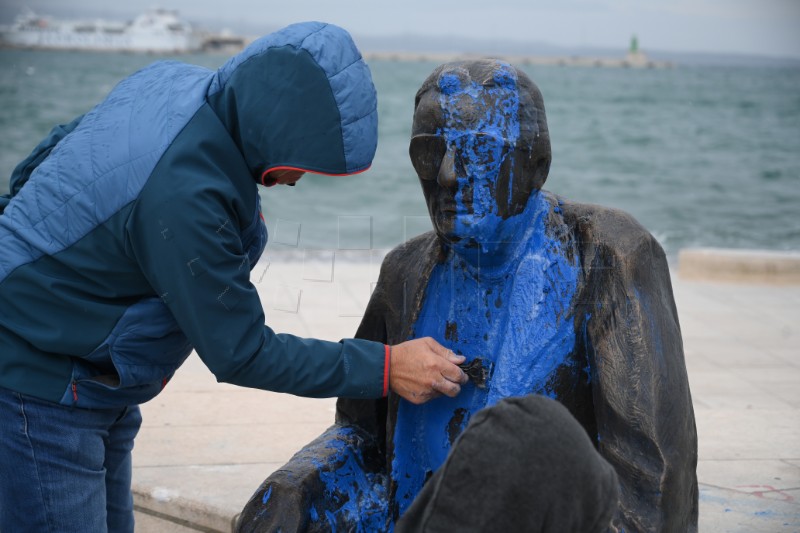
416, 255
403, 278
610, 229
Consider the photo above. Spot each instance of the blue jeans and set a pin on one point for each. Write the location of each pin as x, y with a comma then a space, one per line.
65, 469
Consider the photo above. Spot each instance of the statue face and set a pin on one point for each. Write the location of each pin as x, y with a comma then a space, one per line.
474, 147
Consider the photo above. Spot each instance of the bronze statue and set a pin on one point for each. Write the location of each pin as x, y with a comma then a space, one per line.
544, 296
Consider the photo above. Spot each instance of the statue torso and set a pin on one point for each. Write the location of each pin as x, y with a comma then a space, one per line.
520, 318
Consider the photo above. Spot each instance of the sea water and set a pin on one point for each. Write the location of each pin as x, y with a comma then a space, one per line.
701, 156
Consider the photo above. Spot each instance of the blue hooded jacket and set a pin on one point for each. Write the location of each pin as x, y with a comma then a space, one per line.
129, 234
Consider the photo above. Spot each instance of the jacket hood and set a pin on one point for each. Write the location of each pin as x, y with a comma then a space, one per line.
299, 98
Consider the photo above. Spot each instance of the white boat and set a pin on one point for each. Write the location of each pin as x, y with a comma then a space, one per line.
156, 31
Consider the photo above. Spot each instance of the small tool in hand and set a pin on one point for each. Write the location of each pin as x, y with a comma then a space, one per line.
478, 371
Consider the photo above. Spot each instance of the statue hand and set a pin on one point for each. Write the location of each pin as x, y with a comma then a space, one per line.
422, 369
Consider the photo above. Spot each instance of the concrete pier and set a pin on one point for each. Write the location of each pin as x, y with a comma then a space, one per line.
205, 447
628, 61
746, 266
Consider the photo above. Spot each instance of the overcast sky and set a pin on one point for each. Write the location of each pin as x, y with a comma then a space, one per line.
761, 27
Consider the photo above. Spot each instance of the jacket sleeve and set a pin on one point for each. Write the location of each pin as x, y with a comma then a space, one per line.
187, 241
642, 403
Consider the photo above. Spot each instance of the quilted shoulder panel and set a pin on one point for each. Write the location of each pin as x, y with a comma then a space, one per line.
102, 165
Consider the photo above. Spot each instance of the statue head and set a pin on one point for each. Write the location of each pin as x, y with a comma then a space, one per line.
481, 149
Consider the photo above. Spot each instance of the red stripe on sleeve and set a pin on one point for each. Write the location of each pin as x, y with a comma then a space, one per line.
386, 361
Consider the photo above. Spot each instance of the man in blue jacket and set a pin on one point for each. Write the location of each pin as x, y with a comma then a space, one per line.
127, 240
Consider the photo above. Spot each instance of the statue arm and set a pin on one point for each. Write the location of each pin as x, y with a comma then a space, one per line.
333, 483
337, 481
643, 407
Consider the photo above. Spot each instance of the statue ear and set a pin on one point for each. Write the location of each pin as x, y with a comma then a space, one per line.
535, 167
534, 131
529, 174
538, 168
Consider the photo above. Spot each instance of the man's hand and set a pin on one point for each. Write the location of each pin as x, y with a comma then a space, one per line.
422, 369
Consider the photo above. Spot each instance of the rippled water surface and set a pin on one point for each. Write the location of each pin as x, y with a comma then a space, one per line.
700, 156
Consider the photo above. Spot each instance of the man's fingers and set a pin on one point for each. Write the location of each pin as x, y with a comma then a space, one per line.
448, 388
455, 358
422, 369
452, 374
444, 352
455, 375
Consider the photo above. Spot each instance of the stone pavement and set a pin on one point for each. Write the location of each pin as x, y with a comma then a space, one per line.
205, 447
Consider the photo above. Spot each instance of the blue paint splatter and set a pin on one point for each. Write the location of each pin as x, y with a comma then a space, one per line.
528, 337
449, 84
331, 521
359, 498
507, 284
482, 138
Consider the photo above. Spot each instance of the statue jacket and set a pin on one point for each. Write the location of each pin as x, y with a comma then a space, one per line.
129, 234
636, 406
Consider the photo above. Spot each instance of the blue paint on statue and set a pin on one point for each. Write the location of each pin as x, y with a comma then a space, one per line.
517, 317
504, 292
483, 134
360, 496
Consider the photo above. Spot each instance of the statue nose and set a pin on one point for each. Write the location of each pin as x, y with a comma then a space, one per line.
447, 176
